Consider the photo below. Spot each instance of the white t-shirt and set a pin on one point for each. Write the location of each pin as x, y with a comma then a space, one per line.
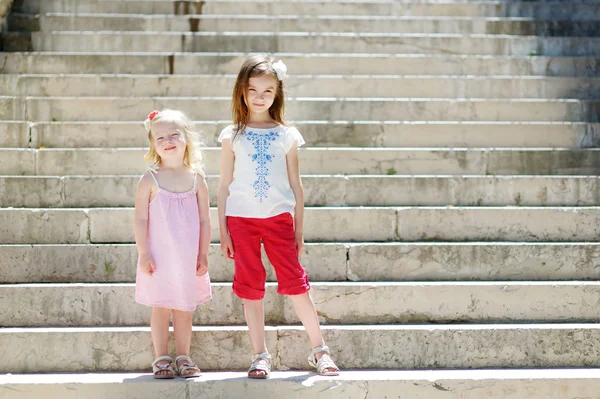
260, 186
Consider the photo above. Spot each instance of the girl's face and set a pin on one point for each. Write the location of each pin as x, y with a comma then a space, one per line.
261, 93
169, 140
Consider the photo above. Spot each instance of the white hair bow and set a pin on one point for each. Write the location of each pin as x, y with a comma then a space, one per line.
280, 69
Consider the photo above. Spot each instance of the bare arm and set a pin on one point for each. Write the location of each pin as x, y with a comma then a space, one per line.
293, 169
204, 211
142, 203
205, 225
226, 177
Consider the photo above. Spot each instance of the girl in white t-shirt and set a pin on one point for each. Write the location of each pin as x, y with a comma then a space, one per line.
261, 198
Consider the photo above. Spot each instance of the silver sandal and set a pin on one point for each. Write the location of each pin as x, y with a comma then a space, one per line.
187, 365
324, 363
260, 362
157, 368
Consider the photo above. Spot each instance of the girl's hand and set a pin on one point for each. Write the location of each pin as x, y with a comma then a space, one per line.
202, 265
299, 242
227, 246
147, 265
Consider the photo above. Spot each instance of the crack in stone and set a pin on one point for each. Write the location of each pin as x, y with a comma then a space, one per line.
4, 62
439, 387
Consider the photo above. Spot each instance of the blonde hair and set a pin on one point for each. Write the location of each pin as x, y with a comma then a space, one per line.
255, 65
193, 155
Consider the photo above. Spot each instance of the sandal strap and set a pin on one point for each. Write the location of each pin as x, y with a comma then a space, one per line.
322, 348
187, 364
264, 355
162, 358
183, 357
262, 362
326, 363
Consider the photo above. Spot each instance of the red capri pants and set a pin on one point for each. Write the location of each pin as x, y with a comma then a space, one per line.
278, 238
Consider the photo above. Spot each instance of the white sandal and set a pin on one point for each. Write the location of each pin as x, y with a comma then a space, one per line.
187, 365
260, 362
324, 363
157, 368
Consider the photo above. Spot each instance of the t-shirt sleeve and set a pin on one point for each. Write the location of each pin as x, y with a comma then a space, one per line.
292, 135
226, 133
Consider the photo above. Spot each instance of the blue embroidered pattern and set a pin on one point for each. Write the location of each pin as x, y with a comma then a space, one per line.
261, 143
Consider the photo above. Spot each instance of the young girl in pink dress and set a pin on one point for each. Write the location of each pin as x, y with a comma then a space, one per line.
261, 199
172, 234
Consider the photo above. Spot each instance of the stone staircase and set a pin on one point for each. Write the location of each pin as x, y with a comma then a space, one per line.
451, 179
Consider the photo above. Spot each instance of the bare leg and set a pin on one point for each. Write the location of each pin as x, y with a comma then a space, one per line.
255, 318
305, 309
159, 329
182, 326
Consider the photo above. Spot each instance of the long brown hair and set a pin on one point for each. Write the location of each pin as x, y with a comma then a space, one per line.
255, 65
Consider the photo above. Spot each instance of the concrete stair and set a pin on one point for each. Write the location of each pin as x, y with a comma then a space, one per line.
451, 178
297, 23
325, 190
429, 384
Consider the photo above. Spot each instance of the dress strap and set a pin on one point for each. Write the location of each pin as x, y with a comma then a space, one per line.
195, 177
154, 177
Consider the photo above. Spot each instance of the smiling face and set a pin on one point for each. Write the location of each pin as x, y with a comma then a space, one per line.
169, 140
261, 93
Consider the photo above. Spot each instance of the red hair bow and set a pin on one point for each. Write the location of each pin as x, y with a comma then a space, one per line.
152, 114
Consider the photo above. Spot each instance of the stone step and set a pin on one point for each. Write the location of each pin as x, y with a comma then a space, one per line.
322, 160
537, 10
325, 190
301, 42
327, 224
312, 63
300, 23
430, 384
119, 349
493, 261
305, 86
304, 108
446, 134
337, 303
117, 263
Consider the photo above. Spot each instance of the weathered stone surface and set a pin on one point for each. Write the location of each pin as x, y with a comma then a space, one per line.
534, 224
117, 263
43, 226
306, 42
325, 262
322, 224
332, 161
14, 134
498, 224
31, 192
317, 63
118, 349
388, 86
300, 23
12, 108
431, 384
361, 109
473, 261
342, 134
62, 305
119, 191
17, 161
536, 10
83, 161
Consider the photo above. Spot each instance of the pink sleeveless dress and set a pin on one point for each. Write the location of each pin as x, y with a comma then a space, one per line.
173, 241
